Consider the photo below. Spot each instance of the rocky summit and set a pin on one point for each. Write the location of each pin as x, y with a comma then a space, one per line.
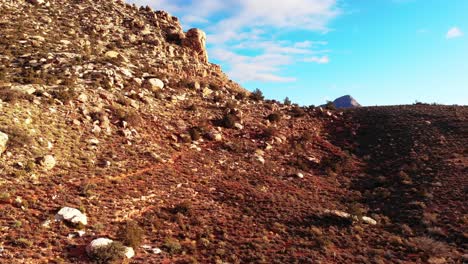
346, 101
121, 143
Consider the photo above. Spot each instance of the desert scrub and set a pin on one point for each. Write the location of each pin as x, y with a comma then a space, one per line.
125, 114
64, 95
172, 245
228, 121
131, 234
274, 117
18, 137
184, 208
12, 96
111, 254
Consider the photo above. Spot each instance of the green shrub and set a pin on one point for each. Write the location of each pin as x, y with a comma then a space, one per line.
298, 112
330, 106
287, 101
257, 95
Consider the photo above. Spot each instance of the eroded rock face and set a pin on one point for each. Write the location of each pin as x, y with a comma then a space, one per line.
195, 39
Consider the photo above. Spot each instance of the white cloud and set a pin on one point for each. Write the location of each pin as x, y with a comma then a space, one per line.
320, 60
454, 32
243, 34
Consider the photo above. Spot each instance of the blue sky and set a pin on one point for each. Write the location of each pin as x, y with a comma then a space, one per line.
382, 52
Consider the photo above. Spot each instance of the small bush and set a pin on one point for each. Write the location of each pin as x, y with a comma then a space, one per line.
128, 115
430, 247
184, 208
274, 117
111, 254
240, 96
64, 95
287, 101
297, 112
23, 242
257, 95
330, 106
195, 133
172, 245
12, 96
17, 137
269, 132
228, 121
131, 234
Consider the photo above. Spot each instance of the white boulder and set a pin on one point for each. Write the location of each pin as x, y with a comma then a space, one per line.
48, 162
153, 84
104, 242
3, 142
71, 215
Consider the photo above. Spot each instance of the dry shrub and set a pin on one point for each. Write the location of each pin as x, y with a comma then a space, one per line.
12, 96
111, 254
128, 115
17, 137
228, 121
131, 234
430, 247
64, 95
274, 117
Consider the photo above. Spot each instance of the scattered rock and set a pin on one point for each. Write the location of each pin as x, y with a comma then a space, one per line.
238, 126
48, 162
365, 219
300, 175
71, 215
112, 54
153, 84
368, 220
150, 249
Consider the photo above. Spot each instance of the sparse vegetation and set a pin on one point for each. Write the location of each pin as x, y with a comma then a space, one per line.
11, 96
172, 245
330, 106
111, 254
257, 95
274, 117
131, 234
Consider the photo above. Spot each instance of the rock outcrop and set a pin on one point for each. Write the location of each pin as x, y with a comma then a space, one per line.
195, 39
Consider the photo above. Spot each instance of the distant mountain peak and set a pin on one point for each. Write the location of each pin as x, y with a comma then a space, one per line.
346, 101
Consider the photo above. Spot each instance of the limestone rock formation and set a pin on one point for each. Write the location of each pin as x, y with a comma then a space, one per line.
196, 40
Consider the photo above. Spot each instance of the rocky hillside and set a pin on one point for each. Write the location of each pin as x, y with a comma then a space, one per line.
120, 142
